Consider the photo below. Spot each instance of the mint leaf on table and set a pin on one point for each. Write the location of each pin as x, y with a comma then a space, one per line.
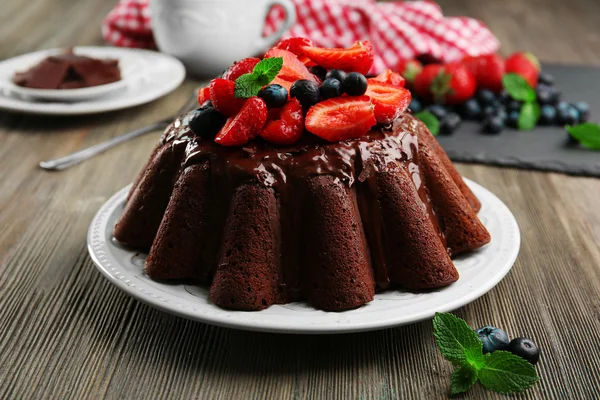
518, 88
505, 372
264, 72
462, 379
458, 343
587, 134
430, 121
528, 117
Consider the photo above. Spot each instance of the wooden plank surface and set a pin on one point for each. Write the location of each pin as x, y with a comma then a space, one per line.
66, 332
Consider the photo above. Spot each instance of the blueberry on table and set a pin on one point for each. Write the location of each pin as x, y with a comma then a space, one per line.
318, 71
206, 121
471, 109
584, 110
544, 94
274, 95
330, 88
514, 105
513, 119
548, 115
485, 97
546, 78
450, 123
562, 105
493, 124
568, 116
556, 94
336, 74
492, 338
525, 348
505, 97
354, 84
307, 92
415, 105
438, 110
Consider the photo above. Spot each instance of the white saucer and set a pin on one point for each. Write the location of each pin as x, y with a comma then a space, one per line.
479, 272
147, 75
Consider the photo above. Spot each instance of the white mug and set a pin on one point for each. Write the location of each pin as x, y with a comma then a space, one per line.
209, 35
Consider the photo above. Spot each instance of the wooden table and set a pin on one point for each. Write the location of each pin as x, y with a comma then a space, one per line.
66, 332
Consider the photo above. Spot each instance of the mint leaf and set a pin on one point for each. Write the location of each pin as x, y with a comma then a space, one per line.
268, 69
530, 113
264, 72
518, 88
462, 379
246, 86
430, 121
587, 134
505, 372
458, 343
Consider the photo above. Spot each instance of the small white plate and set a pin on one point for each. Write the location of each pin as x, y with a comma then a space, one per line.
479, 272
147, 75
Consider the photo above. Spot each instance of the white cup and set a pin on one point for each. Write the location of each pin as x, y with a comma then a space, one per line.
209, 35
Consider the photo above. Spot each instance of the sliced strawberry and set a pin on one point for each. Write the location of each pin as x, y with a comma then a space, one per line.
391, 77
389, 100
341, 118
221, 95
292, 69
357, 58
288, 127
246, 125
283, 82
295, 45
203, 95
240, 68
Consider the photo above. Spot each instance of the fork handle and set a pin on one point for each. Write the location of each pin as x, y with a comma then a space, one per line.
82, 155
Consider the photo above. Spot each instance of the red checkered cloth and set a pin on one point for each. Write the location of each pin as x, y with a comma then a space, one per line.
397, 30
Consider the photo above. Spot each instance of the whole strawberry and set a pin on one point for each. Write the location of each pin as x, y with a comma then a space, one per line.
524, 64
445, 84
488, 71
409, 69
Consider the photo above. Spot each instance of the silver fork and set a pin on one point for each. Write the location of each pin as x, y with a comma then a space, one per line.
85, 154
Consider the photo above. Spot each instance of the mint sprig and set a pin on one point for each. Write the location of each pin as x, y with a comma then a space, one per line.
264, 72
588, 134
430, 121
499, 371
518, 88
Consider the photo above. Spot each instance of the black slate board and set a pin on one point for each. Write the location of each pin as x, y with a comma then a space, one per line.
544, 148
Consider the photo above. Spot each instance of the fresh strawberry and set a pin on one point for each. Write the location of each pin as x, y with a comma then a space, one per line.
389, 100
409, 69
203, 95
341, 118
357, 58
488, 71
446, 84
292, 69
240, 68
246, 125
524, 64
295, 46
287, 128
391, 77
221, 95
283, 82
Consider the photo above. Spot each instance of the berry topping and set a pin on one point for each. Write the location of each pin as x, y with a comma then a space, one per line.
488, 71
307, 92
222, 96
240, 68
492, 338
391, 77
295, 45
288, 126
448, 84
206, 121
292, 69
274, 95
389, 100
336, 74
246, 125
524, 64
203, 95
341, 118
358, 57
525, 348
318, 71
409, 69
354, 84
330, 88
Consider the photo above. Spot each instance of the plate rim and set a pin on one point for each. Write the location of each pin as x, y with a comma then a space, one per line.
103, 214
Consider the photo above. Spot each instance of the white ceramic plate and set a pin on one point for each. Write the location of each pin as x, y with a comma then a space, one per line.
147, 75
479, 272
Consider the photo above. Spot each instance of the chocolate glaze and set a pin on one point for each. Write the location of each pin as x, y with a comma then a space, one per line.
351, 163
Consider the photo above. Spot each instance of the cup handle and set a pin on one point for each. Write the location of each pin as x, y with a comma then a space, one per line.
290, 17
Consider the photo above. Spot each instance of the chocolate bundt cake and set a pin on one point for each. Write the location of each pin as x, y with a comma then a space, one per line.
328, 223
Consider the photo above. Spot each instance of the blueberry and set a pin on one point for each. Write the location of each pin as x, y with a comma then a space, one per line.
493, 124
307, 92
548, 115
513, 105
438, 110
319, 71
505, 97
562, 105
584, 110
556, 94
501, 112
544, 94
471, 109
513, 119
491, 111
492, 338
354, 84
336, 74
450, 123
525, 348
546, 79
485, 97
568, 116
206, 121
330, 88
415, 105
274, 95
